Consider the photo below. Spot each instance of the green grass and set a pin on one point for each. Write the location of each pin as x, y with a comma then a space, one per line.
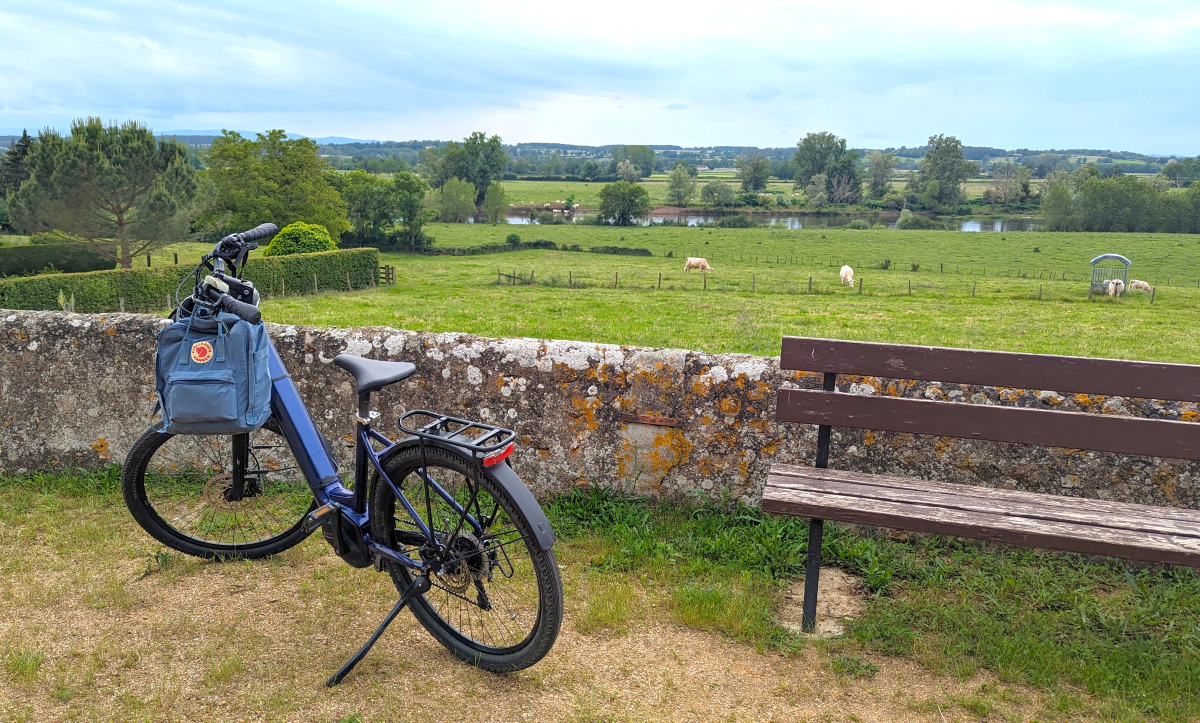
1055, 622
587, 194
759, 291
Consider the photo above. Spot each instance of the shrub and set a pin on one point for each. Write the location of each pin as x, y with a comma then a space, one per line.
491, 248
620, 251
512, 239
66, 258
860, 224
148, 289
739, 220
54, 237
300, 238
909, 221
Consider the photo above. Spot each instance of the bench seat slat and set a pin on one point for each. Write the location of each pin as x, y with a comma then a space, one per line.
779, 497
1072, 430
1031, 505
795, 474
1112, 377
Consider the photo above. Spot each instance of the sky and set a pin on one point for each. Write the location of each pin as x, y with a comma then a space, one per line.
1004, 73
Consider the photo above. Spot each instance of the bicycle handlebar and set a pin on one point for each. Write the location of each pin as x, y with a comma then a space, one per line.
235, 244
249, 312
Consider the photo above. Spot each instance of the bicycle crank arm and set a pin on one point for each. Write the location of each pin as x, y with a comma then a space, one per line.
418, 586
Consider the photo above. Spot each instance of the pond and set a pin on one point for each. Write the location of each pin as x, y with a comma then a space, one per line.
831, 220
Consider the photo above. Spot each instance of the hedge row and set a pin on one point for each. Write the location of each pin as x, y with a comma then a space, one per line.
153, 289
37, 258
620, 251
491, 248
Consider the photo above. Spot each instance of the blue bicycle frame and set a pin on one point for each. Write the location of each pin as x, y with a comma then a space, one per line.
320, 469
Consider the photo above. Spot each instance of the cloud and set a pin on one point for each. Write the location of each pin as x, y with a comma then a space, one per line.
1062, 73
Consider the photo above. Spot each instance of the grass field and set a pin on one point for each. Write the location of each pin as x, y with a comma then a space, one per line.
672, 613
759, 291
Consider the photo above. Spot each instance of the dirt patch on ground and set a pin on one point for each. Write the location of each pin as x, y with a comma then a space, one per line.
840, 599
122, 631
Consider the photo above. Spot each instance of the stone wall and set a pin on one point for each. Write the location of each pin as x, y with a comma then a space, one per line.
78, 389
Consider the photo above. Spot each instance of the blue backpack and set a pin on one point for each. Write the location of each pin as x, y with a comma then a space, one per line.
211, 375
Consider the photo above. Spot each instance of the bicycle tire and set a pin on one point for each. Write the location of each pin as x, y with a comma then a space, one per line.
508, 526
185, 487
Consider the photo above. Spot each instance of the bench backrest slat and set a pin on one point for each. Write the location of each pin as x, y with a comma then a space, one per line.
1072, 430
1111, 377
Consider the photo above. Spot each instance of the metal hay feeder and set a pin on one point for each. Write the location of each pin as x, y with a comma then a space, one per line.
1101, 275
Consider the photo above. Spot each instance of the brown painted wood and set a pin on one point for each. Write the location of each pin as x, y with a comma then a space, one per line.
1017, 499
1072, 430
1011, 529
1151, 380
654, 419
1031, 505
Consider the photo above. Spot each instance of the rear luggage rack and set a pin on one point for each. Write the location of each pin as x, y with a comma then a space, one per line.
475, 436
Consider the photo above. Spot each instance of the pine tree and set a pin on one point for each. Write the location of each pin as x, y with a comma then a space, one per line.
12, 165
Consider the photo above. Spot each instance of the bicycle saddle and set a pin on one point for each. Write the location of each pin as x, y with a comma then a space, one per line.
372, 375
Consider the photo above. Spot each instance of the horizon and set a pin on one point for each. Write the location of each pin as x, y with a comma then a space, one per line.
1067, 74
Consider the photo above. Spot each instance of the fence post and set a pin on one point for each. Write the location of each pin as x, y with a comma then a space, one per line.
497, 276
752, 282
1039, 292
315, 289
513, 278
860, 286
910, 287
614, 279
147, 260
348, 286
282, 288
1152, 294
660, 281
121, 301
941, 268
571, 280
1089, 291
531, 276
705, 280
973, 285
176, 259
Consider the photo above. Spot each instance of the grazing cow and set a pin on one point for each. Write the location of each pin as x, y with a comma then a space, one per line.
694, 262
847, 276
1116, 287
1139, 285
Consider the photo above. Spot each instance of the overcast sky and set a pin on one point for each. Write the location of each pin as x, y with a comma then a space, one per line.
1120, 75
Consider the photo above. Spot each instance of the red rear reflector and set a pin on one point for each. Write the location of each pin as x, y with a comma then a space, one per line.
498, 456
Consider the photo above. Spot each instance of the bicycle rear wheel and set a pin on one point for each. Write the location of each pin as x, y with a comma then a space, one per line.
180, 489
498, 602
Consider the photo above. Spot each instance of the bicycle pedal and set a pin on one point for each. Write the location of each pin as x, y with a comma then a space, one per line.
319, 517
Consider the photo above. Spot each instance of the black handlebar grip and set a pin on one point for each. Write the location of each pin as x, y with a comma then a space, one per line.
265, 230
249, 312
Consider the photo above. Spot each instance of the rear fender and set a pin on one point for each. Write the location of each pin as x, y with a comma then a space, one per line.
504, 476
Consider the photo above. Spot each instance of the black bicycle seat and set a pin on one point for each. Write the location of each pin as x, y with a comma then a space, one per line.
372, 375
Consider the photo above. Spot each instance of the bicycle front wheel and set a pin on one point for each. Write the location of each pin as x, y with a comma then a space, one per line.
181, 490
497, 603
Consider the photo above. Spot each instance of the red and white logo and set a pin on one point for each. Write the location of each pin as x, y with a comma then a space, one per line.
202, 351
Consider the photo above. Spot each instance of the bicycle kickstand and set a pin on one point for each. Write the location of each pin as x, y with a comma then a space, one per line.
418, 586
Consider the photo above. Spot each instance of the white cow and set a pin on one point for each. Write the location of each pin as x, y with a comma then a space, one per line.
1116, 287
1139, 285
695, 262
847, 276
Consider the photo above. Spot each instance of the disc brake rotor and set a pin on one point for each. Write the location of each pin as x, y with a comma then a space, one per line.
214, 494
467, 563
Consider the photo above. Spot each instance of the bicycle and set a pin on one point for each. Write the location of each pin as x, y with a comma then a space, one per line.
472, 557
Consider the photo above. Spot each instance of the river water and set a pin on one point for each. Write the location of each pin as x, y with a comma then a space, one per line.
832, 221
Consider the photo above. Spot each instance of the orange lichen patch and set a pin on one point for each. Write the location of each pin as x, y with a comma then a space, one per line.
800, 375
705, 466
897, 388
670, 448
758, 391
101, 448
543, 453
586, 417
770, 447
1055, 400
729, 438
903, 439
759, 425
729, 405
1190, 415
1008, 395
110, 331
941, 445
743, 464
706, 419
868, 438
1087, 400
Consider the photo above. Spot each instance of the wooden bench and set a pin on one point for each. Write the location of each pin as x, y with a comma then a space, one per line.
1098, 527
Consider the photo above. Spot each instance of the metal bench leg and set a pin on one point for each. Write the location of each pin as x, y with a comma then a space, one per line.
812, 574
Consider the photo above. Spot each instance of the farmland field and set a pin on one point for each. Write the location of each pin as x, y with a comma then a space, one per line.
759, 290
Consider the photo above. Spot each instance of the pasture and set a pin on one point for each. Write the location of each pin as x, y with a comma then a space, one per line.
759, 290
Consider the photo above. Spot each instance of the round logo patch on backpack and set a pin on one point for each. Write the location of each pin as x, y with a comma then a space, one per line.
202, 351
